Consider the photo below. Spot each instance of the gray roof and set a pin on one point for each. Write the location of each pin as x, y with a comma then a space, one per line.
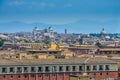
83, 60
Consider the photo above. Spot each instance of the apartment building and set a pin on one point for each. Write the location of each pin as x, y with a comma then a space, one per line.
57, 69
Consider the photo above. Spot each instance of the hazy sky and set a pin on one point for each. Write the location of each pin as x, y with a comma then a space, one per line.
79, 13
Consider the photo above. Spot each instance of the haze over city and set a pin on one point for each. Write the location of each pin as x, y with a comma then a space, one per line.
78, 16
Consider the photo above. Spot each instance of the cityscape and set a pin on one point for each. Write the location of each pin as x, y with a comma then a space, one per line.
59, 40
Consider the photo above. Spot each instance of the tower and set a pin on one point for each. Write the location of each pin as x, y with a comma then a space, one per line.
65, 31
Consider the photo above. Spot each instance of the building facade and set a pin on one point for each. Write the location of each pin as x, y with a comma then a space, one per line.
57, 69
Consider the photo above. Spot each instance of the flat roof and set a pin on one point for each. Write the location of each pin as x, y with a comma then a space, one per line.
110, 49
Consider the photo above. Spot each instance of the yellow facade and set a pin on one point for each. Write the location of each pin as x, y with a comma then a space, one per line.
45, 56
55, 47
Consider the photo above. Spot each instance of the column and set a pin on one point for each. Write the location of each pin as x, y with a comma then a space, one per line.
22, 69
91, 67
70, 68
57, 68
51, 68
104, 68
8, 69
64, 68
97, 67
0, 69
43, 68
77, 68
29, 69
85, 69
36, 69
15, 69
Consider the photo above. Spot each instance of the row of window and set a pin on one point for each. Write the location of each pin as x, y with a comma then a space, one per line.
39, 75
53, 75
54, 68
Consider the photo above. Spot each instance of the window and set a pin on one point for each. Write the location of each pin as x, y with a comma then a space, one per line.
119, 75
101, 73
25, 69
11, 76
40, 75
32, 69
11, 70
106, 67
47, 69
100, 67
19, 76
60, 68
25, 75
73, 68
94, 67
32, 75
80, 68
47, 75
88, 68
3, 77
61, 75
19, 69
39, 69
67, 74
4, 70
67, 68
107, 73
54, 75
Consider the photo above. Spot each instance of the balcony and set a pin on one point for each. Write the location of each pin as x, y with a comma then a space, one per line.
4, 72
12, 72
19, 71
33, 71
26, 71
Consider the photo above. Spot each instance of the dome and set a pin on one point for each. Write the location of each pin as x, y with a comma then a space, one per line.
107, 37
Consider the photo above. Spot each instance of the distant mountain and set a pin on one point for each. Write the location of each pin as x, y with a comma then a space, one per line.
82, 26
21, 26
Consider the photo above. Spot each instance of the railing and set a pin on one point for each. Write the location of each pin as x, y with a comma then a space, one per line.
4, 72
19, 71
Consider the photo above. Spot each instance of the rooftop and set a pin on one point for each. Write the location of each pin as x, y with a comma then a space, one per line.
81, 60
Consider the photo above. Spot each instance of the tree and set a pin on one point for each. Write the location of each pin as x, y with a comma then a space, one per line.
98, 44
1, 42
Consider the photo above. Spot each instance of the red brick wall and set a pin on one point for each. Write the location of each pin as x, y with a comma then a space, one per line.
63, 76
104, 75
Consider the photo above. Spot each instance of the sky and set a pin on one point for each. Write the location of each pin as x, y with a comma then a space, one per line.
81, 16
